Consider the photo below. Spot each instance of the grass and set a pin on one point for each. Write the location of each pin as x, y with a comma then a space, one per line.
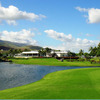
66, 84
52, 62
96, 59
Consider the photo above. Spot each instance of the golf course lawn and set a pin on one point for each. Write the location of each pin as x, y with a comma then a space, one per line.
52, 62
81, 83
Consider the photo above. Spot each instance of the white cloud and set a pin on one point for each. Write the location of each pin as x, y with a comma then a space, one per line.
82, 9
11, 22
58, 36
70, 43
12, 14
23, 36
93, 14
36, 31
75, 46
89, 35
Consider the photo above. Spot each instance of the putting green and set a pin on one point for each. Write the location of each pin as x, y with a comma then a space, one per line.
67, 84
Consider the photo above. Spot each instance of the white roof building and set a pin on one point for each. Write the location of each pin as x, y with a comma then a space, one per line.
30, 52
60, 53
27, 54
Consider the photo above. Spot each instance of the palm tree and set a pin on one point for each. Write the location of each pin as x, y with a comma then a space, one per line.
10, 52
47, 50
81, 52
98, 50
93, 52
98, 46
42, 52
90, 49
69, 54
86, 54
98, 53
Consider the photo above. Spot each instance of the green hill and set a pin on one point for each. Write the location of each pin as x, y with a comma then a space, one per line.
5, 48
6, 45
32, 47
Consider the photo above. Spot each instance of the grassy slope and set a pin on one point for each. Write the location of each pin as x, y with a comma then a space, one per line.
69, 84
15, 45
52, 62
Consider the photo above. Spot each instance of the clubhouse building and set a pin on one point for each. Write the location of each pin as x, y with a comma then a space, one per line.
30, 54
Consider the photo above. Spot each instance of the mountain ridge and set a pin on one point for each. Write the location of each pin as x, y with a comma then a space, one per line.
6, 45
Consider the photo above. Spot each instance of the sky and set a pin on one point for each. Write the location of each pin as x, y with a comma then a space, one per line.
58, 24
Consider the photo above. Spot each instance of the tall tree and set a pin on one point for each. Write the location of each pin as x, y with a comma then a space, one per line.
42, 52
98, 53
98, 46
81, 52
93, 51
69, 53
86, 54
10, 52
91, 48
48, 50
98, 50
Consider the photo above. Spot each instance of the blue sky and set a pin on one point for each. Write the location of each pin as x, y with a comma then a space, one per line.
59, 24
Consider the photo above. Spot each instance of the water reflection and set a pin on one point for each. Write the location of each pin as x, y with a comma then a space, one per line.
12, 75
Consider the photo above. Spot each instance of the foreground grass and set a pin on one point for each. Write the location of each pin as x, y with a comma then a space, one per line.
52, 62
66, 84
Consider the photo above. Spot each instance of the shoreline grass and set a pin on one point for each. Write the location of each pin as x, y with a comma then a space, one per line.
52, 62
66, 84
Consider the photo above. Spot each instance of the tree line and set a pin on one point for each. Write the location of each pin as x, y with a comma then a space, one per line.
93, 51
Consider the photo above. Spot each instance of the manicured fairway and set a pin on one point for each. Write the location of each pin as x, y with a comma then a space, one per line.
52, 62
67, 84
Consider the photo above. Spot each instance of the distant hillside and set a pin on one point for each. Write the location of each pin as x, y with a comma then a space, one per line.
6, 45
33, 47
5, 48
11, 44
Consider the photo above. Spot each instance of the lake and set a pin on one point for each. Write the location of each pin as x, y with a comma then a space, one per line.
13, 75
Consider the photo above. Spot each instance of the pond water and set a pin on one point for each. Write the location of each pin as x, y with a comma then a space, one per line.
13, 75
